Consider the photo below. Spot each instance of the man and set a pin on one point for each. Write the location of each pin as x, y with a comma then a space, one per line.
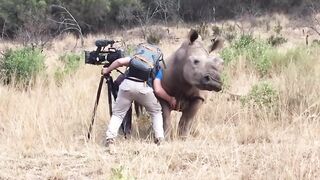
133, 89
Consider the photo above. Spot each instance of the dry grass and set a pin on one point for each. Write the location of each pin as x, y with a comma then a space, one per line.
43, 130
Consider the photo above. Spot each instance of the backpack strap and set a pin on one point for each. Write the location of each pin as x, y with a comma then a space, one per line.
153, 49
144, 60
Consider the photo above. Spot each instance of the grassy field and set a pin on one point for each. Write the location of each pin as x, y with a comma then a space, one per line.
43, 129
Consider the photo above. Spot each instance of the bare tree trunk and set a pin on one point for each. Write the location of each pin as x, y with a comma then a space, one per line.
316, 21
3, 29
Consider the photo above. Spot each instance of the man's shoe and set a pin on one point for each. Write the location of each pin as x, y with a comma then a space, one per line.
159, 140
109, 142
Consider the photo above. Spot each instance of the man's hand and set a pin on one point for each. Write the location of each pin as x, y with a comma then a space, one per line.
104, 71
173, 102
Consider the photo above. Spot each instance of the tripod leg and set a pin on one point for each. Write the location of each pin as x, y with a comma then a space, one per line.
95, 106
110, 86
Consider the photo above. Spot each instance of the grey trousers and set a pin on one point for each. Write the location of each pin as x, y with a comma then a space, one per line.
135, 91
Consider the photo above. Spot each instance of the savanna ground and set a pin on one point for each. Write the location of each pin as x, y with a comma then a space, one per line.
43, 129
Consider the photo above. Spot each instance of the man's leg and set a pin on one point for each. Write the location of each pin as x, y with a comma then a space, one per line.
119, 110
153, 107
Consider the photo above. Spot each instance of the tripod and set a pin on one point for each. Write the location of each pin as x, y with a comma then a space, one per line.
112, 91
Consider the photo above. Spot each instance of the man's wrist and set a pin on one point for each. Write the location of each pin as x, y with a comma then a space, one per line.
105, 70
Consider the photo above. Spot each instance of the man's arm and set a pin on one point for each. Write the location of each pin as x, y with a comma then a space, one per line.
160, 92
117, 63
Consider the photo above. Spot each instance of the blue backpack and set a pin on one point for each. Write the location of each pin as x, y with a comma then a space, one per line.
145, 63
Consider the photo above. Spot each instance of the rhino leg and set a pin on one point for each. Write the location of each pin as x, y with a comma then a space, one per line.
166, 113
188, 114
126, 123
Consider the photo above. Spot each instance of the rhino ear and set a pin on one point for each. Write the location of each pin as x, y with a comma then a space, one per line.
217, 43
193, 35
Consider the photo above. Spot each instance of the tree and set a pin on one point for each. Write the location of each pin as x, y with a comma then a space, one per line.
15, 13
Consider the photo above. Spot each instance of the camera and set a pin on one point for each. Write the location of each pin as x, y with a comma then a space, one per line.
101, 56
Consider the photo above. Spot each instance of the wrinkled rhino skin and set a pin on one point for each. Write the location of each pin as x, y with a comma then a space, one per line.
190, 73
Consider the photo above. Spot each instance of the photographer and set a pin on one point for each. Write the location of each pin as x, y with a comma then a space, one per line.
135, 89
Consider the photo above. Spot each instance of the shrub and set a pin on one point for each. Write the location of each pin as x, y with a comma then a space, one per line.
276, 40
266, 58
229, 32
22, 66
277, 28
120, 173
243, 42
255, 51
70, 63
228, 54
154, 35
216, 30
262, 95
315, 42
153, 38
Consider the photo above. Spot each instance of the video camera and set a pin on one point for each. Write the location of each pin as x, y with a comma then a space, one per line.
101, 56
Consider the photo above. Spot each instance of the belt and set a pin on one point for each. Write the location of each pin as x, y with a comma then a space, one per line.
135, 79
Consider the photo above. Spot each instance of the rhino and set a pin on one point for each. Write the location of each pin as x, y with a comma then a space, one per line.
190, 73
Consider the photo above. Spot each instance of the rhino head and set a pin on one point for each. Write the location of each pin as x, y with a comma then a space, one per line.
201, 69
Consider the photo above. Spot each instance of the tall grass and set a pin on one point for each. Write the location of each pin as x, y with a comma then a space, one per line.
43, 130
254, 50
264, 58
69, 65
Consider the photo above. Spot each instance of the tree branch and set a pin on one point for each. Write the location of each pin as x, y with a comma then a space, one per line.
67, 22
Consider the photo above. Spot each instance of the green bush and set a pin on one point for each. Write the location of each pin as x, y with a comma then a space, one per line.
120, 173
216, 31
315, 42
229, 32
258, 54
70, 63
255, 51
276, 40
154, 35
229, 54
265, 58
153, 39
277, 28
243, 42
262, 95
22, 66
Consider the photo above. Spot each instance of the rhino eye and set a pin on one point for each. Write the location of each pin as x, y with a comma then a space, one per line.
196, 62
